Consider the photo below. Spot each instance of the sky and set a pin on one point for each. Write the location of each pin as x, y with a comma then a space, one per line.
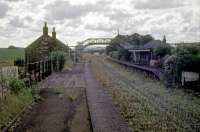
21, 21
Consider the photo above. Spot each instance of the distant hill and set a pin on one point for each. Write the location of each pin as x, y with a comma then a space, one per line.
14, 47
196, 44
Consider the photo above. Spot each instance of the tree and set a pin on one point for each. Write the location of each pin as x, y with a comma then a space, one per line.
188, 58
164, 40
163, 50
145, 39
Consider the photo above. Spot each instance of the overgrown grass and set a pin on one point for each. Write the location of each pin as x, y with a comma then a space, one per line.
68, 64
72, 94
14, 104
145, 103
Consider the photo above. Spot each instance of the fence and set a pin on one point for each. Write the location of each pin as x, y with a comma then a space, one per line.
37, 71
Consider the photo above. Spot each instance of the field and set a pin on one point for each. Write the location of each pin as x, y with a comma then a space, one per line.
145, 103
8, 55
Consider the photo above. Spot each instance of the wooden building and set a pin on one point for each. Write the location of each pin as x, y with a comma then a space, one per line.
145, 53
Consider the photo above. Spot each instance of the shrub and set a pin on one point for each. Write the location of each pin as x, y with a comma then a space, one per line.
58, 60
19, 62
163, 50
16, 85
187, 59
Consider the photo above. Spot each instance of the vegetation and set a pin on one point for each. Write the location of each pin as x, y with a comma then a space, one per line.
16, 86
187, 58
147, 104
58, 59
19, 62
163, 50
69, 63
19, 97
13, 104
134, 39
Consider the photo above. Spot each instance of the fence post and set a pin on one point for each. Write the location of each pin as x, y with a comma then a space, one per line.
43, 69
39, 68
35, 68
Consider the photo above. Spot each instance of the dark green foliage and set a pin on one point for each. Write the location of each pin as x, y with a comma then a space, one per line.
110, 48
124, 54
188, 58
19, 62
58, 60
145, 39
16, 85
134, 40
163, 50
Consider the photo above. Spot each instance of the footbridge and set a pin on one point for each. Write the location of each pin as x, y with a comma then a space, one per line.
93, 41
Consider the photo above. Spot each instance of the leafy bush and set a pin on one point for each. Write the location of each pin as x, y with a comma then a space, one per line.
187, 59
19, 62
124, 54
13, 104
58, 60
16, 85
110, 48
134, 39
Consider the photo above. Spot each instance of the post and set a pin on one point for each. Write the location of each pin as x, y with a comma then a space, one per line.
39, 74
43, 68
74, 56
35, 68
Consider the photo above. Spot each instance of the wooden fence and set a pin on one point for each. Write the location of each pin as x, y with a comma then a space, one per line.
37, 71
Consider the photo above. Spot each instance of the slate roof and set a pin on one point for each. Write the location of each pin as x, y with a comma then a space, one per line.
152, 44
128, 46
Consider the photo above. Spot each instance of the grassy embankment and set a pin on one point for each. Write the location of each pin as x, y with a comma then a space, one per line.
7, 56
145, 103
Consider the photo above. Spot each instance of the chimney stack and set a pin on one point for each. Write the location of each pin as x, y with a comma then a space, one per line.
54, 33
45, 29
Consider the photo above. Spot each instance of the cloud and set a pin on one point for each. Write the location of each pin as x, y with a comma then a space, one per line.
60, 10
21, 21
3, 9
17, 22
13, 0
158, 4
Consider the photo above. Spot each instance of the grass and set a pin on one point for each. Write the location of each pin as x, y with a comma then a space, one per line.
68, 64
7, 56
145, 103
72, 94
14, 104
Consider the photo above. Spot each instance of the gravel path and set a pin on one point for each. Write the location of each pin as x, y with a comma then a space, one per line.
65, 108
64, 101
104, 116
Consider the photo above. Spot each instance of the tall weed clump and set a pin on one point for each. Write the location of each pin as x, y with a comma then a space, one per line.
16, 85
57, 60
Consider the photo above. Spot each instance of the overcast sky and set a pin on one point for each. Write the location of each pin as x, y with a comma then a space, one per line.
21, 21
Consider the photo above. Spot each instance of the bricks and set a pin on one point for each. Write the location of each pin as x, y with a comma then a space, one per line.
104, 116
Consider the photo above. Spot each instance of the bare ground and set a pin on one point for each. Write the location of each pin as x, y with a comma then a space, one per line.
63, 103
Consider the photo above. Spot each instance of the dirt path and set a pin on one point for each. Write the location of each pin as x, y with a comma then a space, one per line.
64, 102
